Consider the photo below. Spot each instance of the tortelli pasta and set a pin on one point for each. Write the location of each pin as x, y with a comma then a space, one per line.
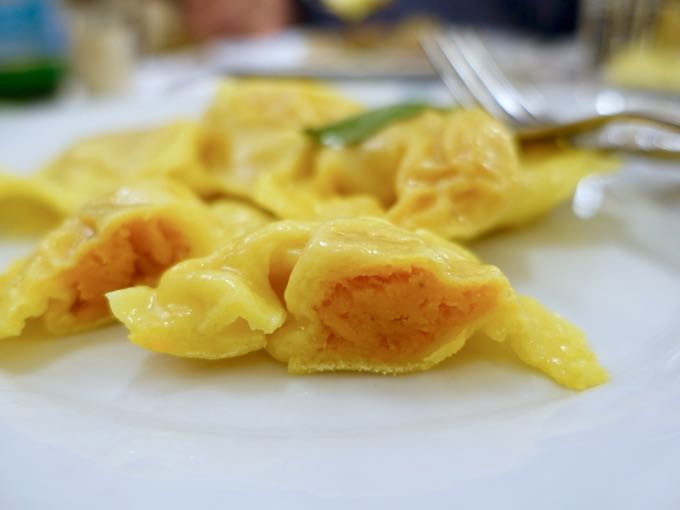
125, 238
459, 174
256, 127
349, 294
240, 232
100, 164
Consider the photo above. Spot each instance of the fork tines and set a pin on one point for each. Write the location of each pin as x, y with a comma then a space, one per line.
472, 76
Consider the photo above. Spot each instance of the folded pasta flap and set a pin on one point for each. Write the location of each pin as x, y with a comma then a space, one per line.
178, 326
458, 175
221, 305
548, 176
548, 342
255, 127
30, 205
102, 163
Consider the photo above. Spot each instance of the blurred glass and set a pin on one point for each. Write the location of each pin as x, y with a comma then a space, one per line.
608, 25
102, 48
636, 41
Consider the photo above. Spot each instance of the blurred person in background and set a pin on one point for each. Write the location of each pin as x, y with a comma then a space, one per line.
209, 18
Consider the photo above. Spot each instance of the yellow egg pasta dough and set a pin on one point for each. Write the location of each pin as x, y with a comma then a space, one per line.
240, 231
350, 294
124, 238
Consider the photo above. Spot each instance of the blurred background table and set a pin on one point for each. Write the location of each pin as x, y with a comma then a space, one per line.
105, 48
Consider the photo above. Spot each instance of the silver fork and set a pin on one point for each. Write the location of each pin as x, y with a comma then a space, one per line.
472, 76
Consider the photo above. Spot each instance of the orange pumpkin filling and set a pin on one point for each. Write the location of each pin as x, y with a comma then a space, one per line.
398, 316
136, 253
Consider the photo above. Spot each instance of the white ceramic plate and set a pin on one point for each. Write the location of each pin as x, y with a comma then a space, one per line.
92, 421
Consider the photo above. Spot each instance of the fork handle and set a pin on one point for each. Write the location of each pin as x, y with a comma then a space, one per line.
634, 141
588, 124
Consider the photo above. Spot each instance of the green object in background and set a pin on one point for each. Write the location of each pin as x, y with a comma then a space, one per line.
32, 48
31, 79
358, 128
